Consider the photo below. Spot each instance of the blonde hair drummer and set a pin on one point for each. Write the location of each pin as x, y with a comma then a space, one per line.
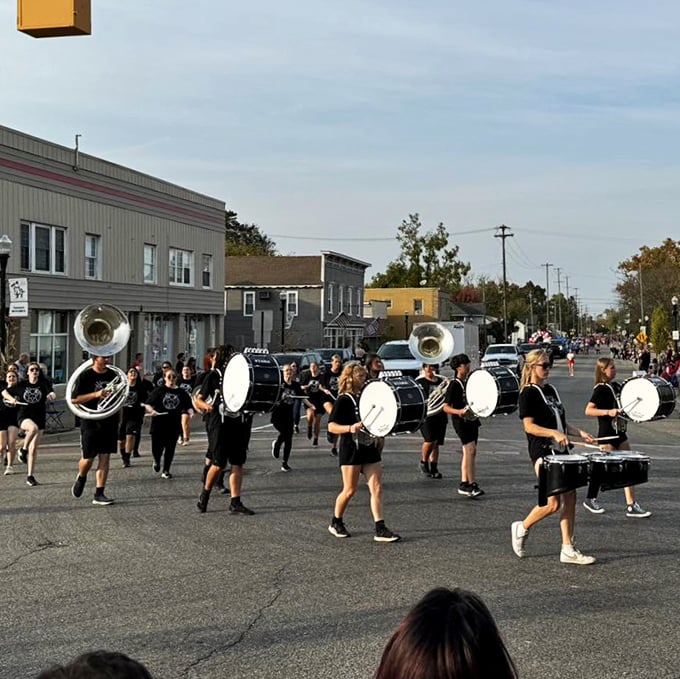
547, 431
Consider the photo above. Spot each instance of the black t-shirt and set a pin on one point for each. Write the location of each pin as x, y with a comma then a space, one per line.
133, 408
34, 396
311, 386
88, 382
171, 400
210, 389
541, 404
345, 412
187, 385
605, 398
331, 381
283, 410
455, 397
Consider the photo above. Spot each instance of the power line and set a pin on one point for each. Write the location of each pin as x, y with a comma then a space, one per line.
375, 240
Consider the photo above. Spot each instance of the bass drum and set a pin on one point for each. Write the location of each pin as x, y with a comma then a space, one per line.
492, 391
647, 398
393, 405
251, 383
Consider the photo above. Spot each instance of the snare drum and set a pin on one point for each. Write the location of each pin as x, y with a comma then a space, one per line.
647, 398
392, 406
564, 472
251, 383
621, 469
492, 391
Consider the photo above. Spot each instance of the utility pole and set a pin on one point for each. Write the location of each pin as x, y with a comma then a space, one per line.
503, 235
559, 298
576, 310
547, 295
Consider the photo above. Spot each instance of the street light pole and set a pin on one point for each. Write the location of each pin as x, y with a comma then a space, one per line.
5, 249
284, 298
674, 302
405, 324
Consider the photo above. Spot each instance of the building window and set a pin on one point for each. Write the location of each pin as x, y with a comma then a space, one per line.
149, 263
341, 290
206, 271
359, 304
92, 256
248, 302
331, 301
48, 344
181, 267
349, 301
418, 307
389, 303
43, 248
292, 302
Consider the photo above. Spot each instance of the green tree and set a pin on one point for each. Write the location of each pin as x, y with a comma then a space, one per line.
660, 331
245, 239
425, 260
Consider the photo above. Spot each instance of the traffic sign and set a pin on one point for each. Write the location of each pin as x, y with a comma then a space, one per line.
642, 337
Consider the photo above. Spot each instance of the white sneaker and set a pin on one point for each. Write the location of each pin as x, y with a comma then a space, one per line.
9, 470
576, 557
518, 538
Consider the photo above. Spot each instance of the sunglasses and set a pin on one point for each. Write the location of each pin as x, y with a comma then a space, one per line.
545, 366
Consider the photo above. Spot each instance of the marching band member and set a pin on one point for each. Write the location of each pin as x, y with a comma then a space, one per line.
227, 436
31, 397
173, 402
433, 429
9, 426
604, 405
186, 382
547, 431
310, 381
132, 415
357, 454
282, 417
97, 437
329, 386
467, 429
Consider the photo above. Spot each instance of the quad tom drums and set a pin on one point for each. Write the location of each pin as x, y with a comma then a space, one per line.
647, 398
492, 391
251, 383
561, 473
619, 469
392, 406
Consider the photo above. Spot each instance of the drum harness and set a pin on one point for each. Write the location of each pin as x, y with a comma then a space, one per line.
618, 423
558, 411
363, 436
469, 416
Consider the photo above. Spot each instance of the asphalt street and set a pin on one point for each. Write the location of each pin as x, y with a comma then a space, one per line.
274, 595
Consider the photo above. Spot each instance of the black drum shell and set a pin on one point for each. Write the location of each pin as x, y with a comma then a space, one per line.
618, 472
563, 475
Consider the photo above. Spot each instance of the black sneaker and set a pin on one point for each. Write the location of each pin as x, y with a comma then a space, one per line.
464, 489
156, 467
23, 455
275, 451
202, 503
78, 486
240, 509
334, 451
30, 481
315, 442
101, 499
309, 432
475, 490
384, 534
285, 467
338, 529
436, 475
329, 437
425, 468
126, 460
297, 429
136, 454
166, 475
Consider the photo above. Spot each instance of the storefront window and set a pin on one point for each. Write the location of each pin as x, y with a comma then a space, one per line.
49, 342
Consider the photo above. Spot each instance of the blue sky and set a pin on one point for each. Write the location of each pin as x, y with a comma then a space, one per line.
328, 123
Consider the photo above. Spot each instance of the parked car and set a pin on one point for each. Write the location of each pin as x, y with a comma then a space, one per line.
396, 355
326, 354
506, 355
524, 348
302, 358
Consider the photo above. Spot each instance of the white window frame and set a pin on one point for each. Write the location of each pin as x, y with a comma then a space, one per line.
93, 257
206, 268
292, 302
359, 304
150, 264
248, 300
349, 301
341, 297
54, 231
331, 300
182, 268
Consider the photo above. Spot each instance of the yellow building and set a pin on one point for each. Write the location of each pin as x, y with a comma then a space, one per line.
406, 306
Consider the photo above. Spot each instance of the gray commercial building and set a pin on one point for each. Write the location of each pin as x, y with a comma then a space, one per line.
87, 231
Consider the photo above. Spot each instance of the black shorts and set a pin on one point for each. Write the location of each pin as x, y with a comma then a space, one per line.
355, 456
95, 442
468, 432
434, 429
129, 428
228, 441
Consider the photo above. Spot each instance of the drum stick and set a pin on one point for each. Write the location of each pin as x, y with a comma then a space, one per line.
375, 417
17, 403
154, 414
585, 445
606, 438
632, 403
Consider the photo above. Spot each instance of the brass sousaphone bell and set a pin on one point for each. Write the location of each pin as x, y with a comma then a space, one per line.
103, 330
